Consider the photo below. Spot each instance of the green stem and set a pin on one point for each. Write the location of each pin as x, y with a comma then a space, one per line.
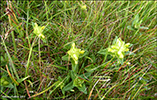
30, 52
39, 58
74, 67
105, 57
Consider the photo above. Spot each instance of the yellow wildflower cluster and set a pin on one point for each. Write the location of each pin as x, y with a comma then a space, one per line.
74, 53
38, 30
119, 48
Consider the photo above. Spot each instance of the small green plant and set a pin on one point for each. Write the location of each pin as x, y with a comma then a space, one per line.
136, 24
118, 49
5, 82
73, 79
74, 53
38, 31
83, 6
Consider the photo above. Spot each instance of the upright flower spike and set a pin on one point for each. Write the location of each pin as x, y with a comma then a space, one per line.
119, 48
38, 31
74, 53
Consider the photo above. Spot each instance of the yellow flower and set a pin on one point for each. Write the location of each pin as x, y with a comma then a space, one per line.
82, 52
127, 45
83, 7
38, 30
74, 53
119, 48
110, 50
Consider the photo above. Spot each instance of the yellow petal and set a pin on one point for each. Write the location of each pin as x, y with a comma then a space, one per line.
73, 45
42, 27
82, 52
114, 47
127, 45
127, 49
110, 50
83, 7
42, 36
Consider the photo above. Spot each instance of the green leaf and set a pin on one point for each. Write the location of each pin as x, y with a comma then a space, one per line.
83, 89
63, 68
44, 40
93, 58
121, 61
130, 28
103, 52
5, 82
2, 59
60, 79
130, 53
68, 87
115, 40
10, 85
135, 21
87, 75
73, 75
2, 80
90, 68
67, 46
78, 82
67, 78
65, 57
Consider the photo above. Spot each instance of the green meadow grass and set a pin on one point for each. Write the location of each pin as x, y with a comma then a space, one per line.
33, 66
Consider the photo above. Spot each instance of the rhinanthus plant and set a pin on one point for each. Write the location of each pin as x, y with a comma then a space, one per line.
118, 49
77, 79
74, 53
83, 6
136, 24
38, 31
